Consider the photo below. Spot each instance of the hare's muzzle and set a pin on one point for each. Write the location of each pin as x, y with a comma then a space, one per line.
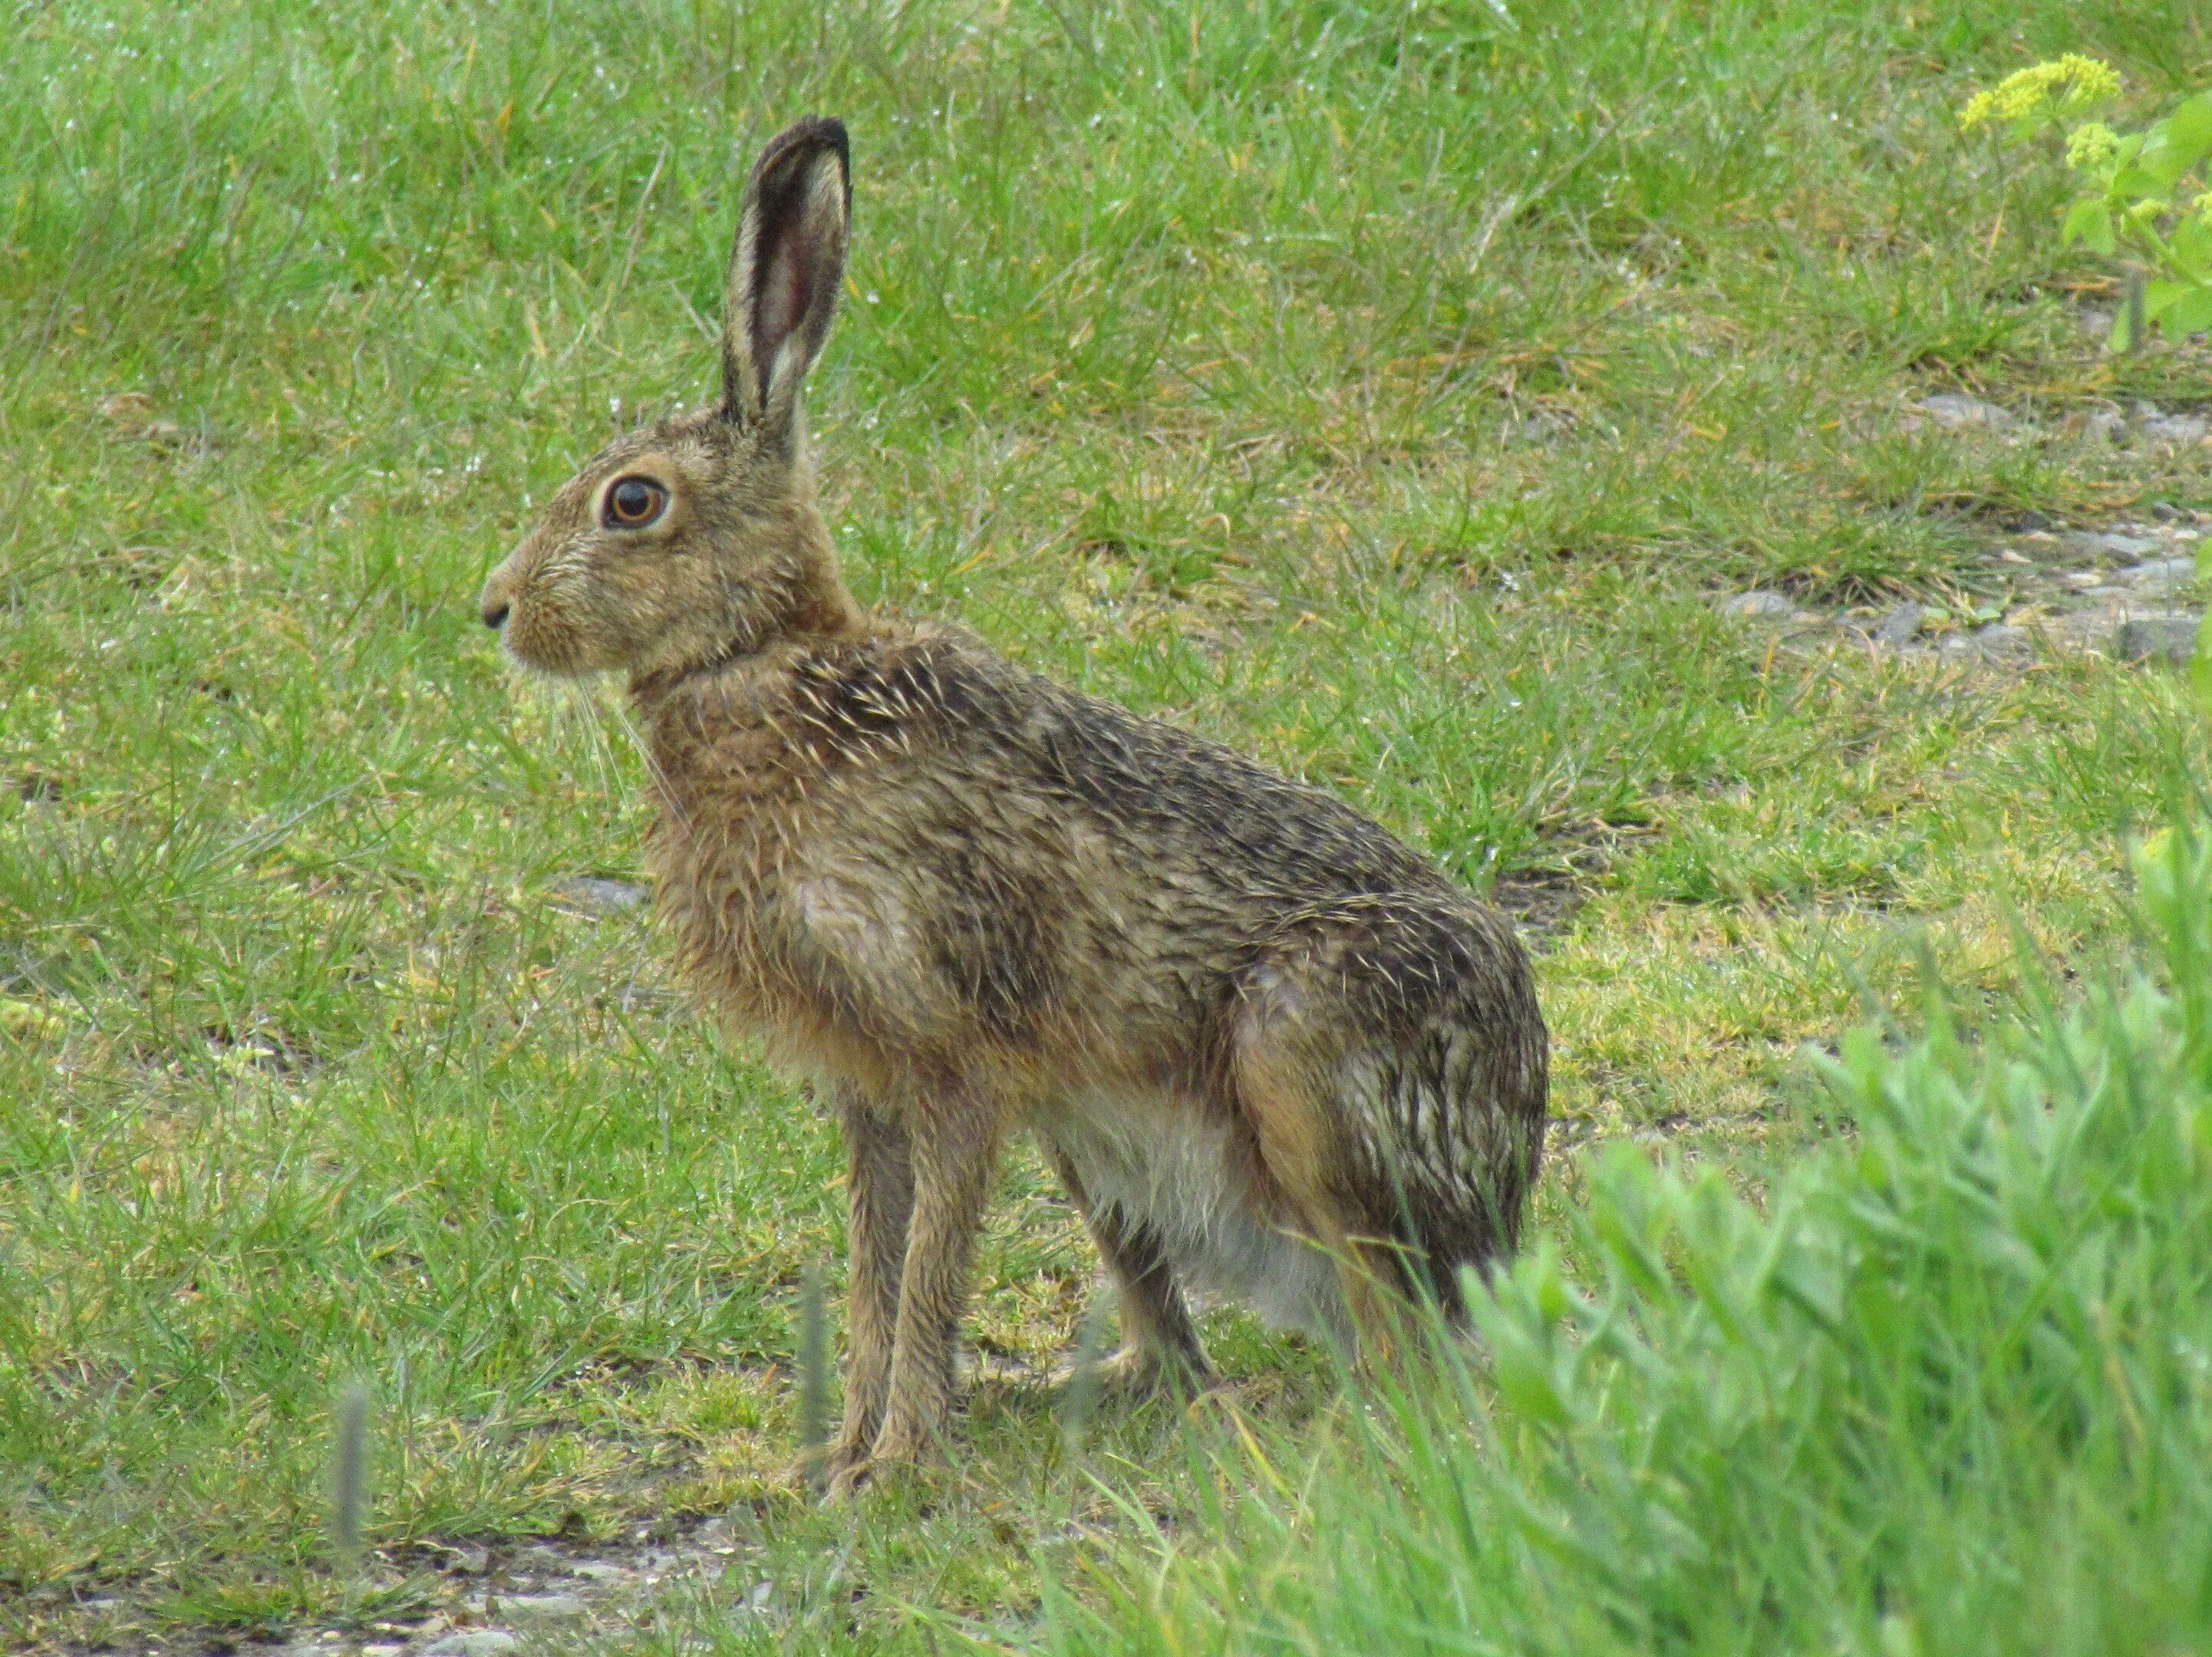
496, 602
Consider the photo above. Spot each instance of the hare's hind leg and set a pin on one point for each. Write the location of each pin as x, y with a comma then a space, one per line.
1391, 1061
1288, 1101
1160, 1344
880, 1188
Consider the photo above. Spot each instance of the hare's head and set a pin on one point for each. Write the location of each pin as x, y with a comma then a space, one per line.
696, 539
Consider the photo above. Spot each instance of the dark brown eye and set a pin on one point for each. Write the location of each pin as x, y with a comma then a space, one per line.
633, 502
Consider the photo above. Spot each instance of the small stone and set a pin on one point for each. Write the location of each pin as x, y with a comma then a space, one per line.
1954, 413
1756, 604
542, 1604
1900, 626
2109, 595
2000, 639
2121, 546
473, 1642
2105, 427
2028, 523
133, 414
1536, 429
2181, 430
2147, 638
2165, 573
598, 1570
595, 895
468, 1560
383, 1651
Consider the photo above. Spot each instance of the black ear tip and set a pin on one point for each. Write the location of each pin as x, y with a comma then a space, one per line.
803, 140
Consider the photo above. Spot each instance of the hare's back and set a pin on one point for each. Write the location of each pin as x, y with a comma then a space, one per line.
1175, 804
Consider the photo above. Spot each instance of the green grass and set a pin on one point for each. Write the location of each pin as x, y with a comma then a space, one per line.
1949, 1389
1387, 390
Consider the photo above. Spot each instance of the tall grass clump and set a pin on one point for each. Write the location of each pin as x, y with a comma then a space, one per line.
1948, 1388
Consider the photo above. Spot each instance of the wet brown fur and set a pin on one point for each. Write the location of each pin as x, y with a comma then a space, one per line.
1254, 1031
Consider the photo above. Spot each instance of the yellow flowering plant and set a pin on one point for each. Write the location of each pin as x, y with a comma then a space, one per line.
2147, 192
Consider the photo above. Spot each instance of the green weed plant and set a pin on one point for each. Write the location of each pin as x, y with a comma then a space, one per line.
1947, 1388
2148, 193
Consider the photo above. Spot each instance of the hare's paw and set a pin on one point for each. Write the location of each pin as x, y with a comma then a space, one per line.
816, 1466
1129, 1372
905, 1447
1135, 1372
877, 1472
897, 1450
848, 1481
837, 1469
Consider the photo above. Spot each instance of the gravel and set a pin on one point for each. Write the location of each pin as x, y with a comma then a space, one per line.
2119, 591
2181, 430
1758, 604
473, 1642
598, 1570
2162, 572
595, 895
1901, 626
2117, 546
2148, 638
1955, 413
542, 1604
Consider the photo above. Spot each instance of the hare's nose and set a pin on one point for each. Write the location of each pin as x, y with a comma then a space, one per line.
495, 616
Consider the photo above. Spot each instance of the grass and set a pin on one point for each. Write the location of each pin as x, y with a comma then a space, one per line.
1389, 391
1945, 1390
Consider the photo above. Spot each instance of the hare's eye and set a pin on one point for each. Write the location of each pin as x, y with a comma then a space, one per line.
633, 502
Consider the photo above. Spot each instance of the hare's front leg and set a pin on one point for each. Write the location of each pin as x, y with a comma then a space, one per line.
954, 1150
879, 1191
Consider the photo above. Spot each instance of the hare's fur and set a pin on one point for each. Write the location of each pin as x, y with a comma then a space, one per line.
1277, 1058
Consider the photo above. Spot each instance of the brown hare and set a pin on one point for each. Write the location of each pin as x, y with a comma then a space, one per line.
1276, 1057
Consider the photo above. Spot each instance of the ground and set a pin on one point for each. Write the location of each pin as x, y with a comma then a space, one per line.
1598, 440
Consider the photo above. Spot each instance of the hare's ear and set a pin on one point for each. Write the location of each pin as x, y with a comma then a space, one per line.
785, 272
